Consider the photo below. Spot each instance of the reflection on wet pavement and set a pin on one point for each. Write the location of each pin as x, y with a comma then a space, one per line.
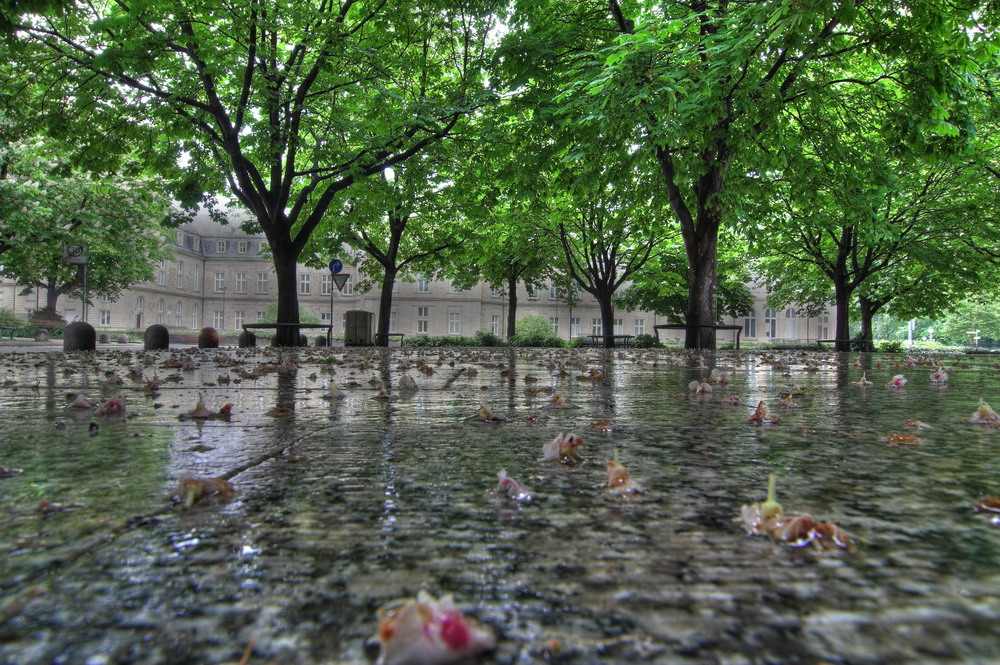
348, 499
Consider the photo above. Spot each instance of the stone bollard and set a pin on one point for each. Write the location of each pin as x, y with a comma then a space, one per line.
42, 336
102, 338
247, 340
320, 340
122, 339
156, 338
79, 336
208, 338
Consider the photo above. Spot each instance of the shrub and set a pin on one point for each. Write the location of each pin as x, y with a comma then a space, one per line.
484, 338
9, 319
535, 331
646, 342
446, 340
891, 347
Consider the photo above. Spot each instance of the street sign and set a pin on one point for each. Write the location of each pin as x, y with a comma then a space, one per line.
340, 280
336, 266
75, 254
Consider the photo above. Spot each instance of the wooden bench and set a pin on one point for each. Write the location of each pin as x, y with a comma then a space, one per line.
598, 340
680, 326
247, 327
378, 337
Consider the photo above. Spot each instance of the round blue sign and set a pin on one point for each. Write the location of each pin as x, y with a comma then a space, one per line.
336, 266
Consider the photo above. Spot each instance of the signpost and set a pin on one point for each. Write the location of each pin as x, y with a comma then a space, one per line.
339, 279
77, 255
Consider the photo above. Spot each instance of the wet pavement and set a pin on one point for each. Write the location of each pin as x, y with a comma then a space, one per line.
348, 499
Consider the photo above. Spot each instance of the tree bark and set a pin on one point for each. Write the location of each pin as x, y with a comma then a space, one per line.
385, 306
868, 310
702, 281
607, 318
511, 305
843, 304
285, 268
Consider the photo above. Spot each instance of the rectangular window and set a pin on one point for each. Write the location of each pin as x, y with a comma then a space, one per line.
553, 291
220, 246
217, 320
423, 324
454, 323
595, 327
824, 326
392, 321
495, 324
326, 284
161, 311
348, 287
324, 317
495, 292
180, 274
220, 282
575, 327
260, 316
241, 247
194, 316
237, 320
423, 285
639, 327
241, 282
262, 279
161, 273
750, 324
105, 317
770, 323
304, 283
179, 314
619, 327
554, 322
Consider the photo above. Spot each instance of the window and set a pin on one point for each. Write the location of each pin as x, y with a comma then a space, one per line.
324, 317
495, 324
262, 279
194, 316
554, 322
220, 282
161, 273
197, 244
532, 294
180, 237
423, 325
237, 320
220, 246
824, 326
241, 282
139, 303
423, 285
217, 321
304, 283
180, 274
326, 284
348, 289
595, 327
260, 316
241, 247
750, 324
639, 327
454, 323
770, 323
790, 313
179, 314
392, 321
105, 317
553, 291
575, 328
161, 308
495, 292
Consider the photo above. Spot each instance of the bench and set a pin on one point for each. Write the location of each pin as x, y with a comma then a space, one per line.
8, 331
680, 326
855, 344
378, 337
247, 327
598, 340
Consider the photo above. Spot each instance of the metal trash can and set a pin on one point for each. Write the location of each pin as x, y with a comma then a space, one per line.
358, 328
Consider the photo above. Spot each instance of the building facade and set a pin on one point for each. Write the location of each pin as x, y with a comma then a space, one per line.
220, 276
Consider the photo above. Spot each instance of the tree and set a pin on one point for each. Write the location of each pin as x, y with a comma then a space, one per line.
608, 223
283, 104
403, 221
857, 210
46, 204
701, 83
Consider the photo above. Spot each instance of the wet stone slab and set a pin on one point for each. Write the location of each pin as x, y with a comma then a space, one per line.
347, 500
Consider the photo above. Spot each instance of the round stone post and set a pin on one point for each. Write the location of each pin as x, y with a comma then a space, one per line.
320, 340
247, 340
208, 338
79, 336
156, 338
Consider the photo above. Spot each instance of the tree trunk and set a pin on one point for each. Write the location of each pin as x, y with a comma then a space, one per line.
868, 309
511, 306
285, 267
702, 281
385, 307
843, 303
607, 319
51, 298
